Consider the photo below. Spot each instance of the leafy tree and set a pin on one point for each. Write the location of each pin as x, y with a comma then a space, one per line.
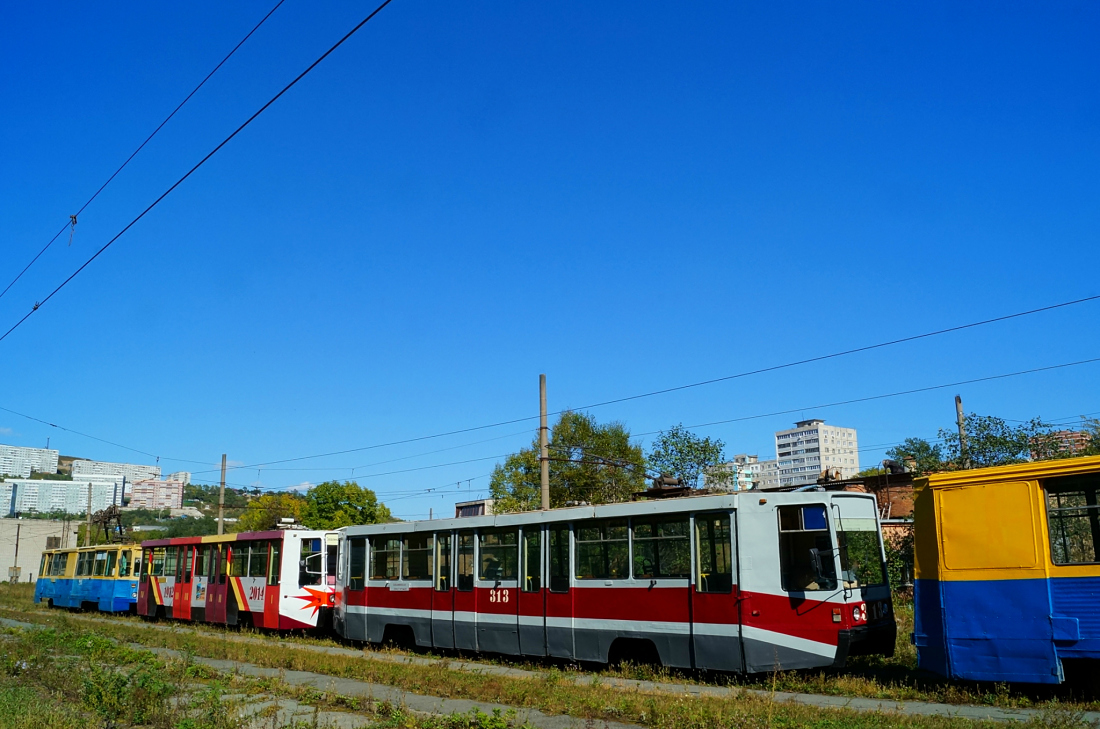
679, 452
872, 471
333, 504
263, 513
918, 455
589, 462
993, 442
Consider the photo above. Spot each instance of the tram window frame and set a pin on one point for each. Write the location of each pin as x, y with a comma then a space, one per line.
417, 556
464, 561
796, 567
44, 565
274, 563
385, 557
1063, 509
713, 529
493, 544
259, 554
531, 554
602, 551
63, 568
202, 554
313, 548
659, 545
99, 565
332, 558
225, 551
238, 559
188, 562
171, 559
443, 562
357, 563
112, 563
557, 546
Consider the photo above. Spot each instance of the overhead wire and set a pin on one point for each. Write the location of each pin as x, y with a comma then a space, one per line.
177, 183
71, 224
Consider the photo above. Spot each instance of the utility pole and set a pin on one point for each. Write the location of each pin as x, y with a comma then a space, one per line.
964, 450
544, 446
88, 528
221, 501
15, 564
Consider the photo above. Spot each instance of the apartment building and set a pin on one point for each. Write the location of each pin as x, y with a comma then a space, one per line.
132, 472
154, 494
812, 447
21, 461
69, 497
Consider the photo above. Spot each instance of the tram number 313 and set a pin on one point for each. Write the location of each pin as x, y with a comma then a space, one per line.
498, 595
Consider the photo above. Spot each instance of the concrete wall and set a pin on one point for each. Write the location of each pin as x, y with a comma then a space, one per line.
32, 540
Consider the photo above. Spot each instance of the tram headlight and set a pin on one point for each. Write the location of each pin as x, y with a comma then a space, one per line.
859, 612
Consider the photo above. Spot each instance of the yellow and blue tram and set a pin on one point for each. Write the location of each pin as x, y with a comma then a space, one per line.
103, 577
1008, 571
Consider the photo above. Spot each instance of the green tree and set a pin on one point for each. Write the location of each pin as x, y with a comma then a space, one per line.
990, 441
872, 471
589, 462
263, 513
679, 452
918, 455
335, 504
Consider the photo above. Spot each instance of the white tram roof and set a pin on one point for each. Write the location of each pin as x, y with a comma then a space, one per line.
709, 502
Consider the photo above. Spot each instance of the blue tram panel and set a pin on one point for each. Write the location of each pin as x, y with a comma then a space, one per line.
1008, 571
100, 578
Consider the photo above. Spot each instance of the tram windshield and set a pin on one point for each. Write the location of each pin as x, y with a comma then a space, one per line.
859, 543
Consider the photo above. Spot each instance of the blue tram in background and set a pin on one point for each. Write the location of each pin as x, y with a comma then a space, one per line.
1008, 571
103, 577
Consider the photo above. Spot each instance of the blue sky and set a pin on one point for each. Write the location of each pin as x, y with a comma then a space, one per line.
624, 196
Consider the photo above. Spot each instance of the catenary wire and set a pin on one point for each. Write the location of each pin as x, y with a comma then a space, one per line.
140, 147
726, 378
177, 183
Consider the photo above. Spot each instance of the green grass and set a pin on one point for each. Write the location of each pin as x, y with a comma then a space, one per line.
557, 692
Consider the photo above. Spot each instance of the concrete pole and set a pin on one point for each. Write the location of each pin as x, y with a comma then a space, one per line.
88, 527
544, 446
960, 419
221, 501
15, 564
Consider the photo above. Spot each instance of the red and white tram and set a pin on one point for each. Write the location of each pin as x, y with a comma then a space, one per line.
277, 579
748, 581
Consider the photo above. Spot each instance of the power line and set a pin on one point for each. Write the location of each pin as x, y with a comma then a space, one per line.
73, 218
177, 183
726, 378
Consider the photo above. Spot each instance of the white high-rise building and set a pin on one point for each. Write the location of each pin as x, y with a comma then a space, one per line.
21, 461
812, 447
131, 471
182, 476
69, 497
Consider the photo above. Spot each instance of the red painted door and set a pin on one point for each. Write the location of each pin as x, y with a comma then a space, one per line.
465, 625
559, 595
181, 607
146, 604
217, 588
531, 593
443, 600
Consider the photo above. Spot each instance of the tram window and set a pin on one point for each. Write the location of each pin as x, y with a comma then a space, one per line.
112, 558
357, 563
171, 557
559, 558
465, 561
1073, 513
202, 554
442, 562
44, 565
498, 554
238, 559
273, 564
661, 548
714, 561
332, 548
802, 529
385, 558
124, 563
860, 552
310, 565
223, 562
602, 548
160, 554
416, 557
532, 559
100, 569
257, 559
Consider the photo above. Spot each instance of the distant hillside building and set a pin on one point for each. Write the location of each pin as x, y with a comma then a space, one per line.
153, 494
69, 497
812, 447
184, 476
22, 461
131, 471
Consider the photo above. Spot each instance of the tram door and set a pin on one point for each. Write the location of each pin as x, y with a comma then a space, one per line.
531, 596
715, 594
217, 587
181, 606
465, 609
496, 590
443, 594
558, 595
